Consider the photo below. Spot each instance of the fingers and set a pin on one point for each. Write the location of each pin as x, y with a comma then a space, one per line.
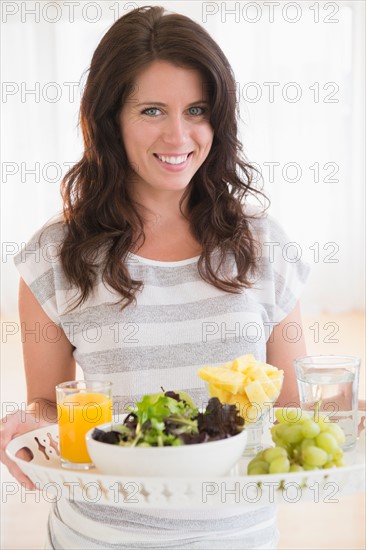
14, 469
25, 454
24, 480
16, 472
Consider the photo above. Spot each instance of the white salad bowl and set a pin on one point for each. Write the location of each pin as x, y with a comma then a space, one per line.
214, 458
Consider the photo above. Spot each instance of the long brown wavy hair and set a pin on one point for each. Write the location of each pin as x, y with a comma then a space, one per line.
103, 223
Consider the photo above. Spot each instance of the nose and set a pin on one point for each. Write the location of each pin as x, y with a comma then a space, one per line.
175, 131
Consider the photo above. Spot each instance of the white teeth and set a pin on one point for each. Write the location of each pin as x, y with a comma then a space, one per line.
173, 160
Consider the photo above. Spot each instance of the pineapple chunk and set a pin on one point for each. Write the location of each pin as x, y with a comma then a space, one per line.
217, 391
242, 403
275, 374
256, 394
242, 363
269, 387
228, 380
239, 399
258, 373
270, 370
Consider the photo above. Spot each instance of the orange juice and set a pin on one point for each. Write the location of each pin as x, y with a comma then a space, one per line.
77, 414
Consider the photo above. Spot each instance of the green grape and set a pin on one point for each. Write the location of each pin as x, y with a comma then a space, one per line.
304, 416
280, 465
293, 434
257, 471
307, 443
329, 464
280, 429
296, 468
288, 448
275, 434
310, 429
255, 459
274, 452
286, 415
338, 454
337, 432
274, 429
258, 456
296, 451
255, 464
277, 440
323, 423
309, 467
279, 415
314, 456
340, 462
327, 442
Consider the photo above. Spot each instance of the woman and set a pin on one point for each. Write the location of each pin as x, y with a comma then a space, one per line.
158, 266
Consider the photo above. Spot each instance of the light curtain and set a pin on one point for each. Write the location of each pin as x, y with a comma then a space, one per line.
298, 68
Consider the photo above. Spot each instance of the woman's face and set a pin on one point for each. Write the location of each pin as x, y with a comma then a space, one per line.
165, 128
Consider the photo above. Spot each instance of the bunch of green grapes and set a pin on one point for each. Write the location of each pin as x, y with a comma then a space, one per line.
301, 443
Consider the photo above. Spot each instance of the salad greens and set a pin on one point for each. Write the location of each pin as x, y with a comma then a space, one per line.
171, 419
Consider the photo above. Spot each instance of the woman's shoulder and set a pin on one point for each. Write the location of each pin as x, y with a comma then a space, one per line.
44, 243
38, 263
52, 232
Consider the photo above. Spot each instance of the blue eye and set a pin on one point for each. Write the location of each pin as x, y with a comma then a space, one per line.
197, 111
151, 111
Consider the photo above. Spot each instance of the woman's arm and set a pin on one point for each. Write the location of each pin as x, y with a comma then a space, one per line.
282, 350
48, 361
48, 354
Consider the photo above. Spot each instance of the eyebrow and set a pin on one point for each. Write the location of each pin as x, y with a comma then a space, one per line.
160, 104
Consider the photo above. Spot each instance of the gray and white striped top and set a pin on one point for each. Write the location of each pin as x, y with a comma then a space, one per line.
178, 324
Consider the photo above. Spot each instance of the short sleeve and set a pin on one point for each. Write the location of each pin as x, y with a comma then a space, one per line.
282, 270
39, 266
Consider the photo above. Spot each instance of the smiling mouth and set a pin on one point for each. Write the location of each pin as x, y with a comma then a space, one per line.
173, 159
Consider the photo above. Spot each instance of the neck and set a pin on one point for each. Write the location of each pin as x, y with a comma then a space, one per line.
162, 209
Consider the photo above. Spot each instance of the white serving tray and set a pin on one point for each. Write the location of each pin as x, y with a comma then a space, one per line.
234, 489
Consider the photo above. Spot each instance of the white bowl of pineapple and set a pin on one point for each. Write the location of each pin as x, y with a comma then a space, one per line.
253, 386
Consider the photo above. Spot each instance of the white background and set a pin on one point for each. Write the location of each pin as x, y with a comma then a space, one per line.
310, 54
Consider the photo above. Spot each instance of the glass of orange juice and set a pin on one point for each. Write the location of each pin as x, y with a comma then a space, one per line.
81, 405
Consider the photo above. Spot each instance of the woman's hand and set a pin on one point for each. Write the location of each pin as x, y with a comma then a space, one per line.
36, 416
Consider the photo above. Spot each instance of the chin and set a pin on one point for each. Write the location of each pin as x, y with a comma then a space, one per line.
176, 186
174, 189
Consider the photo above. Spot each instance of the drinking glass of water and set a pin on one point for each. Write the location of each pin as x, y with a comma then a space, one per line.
328, 384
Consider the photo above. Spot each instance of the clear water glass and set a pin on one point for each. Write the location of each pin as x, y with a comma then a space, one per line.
328, 384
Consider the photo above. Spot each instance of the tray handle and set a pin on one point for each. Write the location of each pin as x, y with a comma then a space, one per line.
40, 444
